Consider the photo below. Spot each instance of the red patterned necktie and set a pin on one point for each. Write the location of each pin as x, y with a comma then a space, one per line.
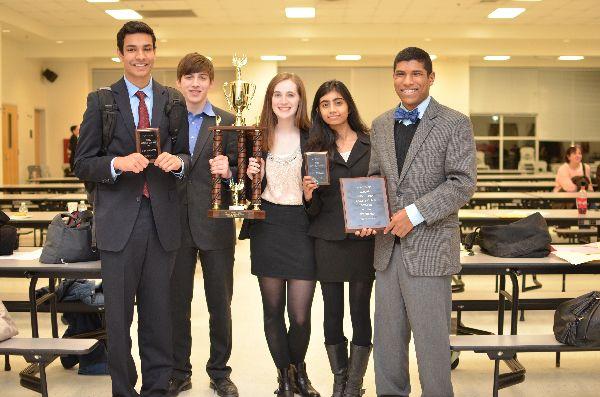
143, 122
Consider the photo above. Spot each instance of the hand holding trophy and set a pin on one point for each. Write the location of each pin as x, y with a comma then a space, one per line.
239, 95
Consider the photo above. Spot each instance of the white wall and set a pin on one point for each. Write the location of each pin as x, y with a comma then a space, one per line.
452, 83
66, 104
567, 102
373, 90
22, 86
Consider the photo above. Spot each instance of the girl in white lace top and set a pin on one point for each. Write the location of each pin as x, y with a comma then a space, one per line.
282, 253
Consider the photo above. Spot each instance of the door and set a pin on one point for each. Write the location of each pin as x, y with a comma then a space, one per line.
10, 144
38, 120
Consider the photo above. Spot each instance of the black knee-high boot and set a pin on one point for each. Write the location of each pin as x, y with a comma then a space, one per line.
359, 359
338, 360
301, 382
285, 388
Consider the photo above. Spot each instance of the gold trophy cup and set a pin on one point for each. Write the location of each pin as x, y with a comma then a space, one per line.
239, 95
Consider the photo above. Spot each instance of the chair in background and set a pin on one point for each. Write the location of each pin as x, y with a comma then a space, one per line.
34, 171
481, 165
527, 161
541, 166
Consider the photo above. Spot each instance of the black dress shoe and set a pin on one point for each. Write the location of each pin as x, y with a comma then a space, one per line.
224, 387
176, 386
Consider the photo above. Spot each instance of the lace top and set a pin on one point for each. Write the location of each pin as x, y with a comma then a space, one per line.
284, 178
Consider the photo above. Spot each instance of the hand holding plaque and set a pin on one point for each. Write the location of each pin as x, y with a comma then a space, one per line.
317, 167
147, 143
365, 203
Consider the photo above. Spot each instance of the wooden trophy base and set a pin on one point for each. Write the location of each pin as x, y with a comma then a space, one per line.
244, 214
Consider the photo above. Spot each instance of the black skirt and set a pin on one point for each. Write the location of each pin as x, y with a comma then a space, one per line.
279, 245
344, 260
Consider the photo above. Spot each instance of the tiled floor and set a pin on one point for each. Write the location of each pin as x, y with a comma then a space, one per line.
254, 373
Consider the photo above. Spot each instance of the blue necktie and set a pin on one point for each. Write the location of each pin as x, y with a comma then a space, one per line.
401, 114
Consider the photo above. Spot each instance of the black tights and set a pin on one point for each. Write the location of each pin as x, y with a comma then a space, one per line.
360, 312
287, 346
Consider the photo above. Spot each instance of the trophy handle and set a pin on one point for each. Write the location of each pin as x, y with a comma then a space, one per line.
251, 96
226, 92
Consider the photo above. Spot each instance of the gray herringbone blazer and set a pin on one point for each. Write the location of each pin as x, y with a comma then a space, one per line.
439, 176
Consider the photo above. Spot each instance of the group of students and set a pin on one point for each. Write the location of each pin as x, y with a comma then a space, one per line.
152, 227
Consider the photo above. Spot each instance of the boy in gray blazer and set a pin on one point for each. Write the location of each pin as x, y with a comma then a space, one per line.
427, 153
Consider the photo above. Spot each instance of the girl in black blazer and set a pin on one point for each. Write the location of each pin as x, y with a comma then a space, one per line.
281, 252
338, 129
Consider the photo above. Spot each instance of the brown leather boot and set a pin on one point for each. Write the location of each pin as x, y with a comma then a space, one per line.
338, 361
359, 359
301, 382
285, 388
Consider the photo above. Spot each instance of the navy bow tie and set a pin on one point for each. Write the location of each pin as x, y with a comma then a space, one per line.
401, 114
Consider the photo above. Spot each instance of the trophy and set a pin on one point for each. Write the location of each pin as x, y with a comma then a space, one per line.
239, 95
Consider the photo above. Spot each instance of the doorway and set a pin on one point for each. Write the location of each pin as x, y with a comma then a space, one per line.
10, 144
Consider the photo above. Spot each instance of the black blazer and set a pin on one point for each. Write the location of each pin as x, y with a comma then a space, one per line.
244, 231
118, 201
325, 210
195, 190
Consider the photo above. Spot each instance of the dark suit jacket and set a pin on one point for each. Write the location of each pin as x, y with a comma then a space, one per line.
244, 231
325, 210
117, 202
194, 191
72, 149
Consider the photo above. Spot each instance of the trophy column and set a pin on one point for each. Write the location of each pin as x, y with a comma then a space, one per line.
242, 131
216, 180
256, 181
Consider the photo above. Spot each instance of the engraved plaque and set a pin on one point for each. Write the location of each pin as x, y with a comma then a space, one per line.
317, 166
147, 142
365, 203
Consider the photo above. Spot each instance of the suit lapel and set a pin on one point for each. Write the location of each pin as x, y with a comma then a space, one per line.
122, 99
159, 101
203, 137
390, 144
360, 148
425, 125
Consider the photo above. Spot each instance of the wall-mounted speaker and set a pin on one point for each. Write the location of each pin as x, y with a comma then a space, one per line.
49, 75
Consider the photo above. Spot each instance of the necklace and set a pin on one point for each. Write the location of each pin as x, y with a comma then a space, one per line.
284, 159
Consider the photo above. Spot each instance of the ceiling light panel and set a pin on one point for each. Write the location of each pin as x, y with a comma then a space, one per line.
506, 13
300, 12
125, 14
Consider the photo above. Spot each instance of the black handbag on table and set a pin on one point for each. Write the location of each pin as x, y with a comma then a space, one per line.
577, 321
70, 241
525, 238
9, 239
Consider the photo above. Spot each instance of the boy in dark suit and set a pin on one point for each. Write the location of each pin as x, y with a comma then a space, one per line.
136, 213
209, 239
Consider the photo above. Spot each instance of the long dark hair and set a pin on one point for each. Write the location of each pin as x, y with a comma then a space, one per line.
322, 136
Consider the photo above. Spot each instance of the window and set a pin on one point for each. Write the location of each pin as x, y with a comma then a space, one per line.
505, 141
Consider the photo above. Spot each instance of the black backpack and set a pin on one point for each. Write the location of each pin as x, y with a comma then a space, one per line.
110, 110
577, 321
525, 238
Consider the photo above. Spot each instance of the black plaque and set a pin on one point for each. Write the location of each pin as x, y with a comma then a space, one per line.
365, 203
147, 142
317, 166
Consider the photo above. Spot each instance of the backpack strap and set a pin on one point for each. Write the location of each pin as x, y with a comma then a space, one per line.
109, 110
174, 110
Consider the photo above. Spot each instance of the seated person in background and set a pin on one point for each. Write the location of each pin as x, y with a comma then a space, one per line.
573, 173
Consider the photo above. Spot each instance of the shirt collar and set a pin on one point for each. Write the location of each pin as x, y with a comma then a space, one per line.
422, 106
132, 88
208, 110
